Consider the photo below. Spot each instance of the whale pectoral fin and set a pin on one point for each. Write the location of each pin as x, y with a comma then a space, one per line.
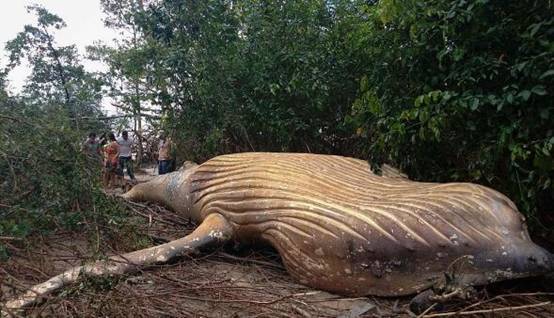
213, 230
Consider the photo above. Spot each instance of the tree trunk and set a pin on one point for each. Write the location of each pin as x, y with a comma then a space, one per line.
137, 129
59, 67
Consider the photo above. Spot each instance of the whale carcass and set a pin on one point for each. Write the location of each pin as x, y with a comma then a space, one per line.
337, 225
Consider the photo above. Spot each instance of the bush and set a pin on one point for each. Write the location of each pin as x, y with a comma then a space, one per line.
46, 182
449, 90
462, 90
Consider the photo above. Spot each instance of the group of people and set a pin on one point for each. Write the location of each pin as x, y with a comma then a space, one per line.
115, 154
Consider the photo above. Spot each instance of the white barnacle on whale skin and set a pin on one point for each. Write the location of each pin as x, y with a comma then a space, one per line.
454, 239
396, 262
499, 274
216, 234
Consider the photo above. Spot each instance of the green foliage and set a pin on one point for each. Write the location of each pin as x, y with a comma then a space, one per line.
236, 76
44, 176
45, 181
446, 89
90, 283
57, 77
464, 91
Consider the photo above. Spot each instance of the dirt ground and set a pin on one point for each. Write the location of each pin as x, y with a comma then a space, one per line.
232, 281
227, 282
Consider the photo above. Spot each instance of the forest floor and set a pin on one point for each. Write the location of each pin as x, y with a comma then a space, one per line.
232, 281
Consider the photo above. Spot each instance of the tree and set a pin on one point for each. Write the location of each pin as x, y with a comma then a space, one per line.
57, 77
3, 91
462, 91
45, 181
445, 89
128, 63
237, 75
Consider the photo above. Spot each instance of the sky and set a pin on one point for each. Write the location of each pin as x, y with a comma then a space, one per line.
84, 26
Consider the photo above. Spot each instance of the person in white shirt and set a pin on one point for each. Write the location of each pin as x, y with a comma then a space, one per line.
125, 155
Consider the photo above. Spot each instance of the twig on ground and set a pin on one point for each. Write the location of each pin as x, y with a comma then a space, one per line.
427, 310
247, 301
480, 303
10, 238
488, 311
151, 215
248, 260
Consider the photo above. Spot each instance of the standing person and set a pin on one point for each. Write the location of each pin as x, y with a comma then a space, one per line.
91, 147
125, 155
164, 154
92, 150
111, 154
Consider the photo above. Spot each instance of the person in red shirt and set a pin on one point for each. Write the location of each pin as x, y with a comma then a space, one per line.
111, 158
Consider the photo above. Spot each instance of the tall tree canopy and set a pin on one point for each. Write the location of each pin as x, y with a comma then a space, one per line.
446, 89
44, 179
57, 76
462, 90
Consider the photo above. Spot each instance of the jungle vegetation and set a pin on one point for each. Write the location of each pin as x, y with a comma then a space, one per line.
446, 90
